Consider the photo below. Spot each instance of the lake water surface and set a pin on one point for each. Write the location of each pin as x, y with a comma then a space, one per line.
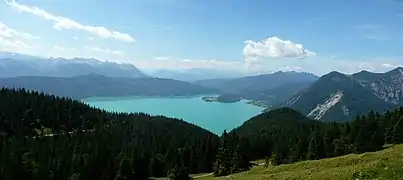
213, 116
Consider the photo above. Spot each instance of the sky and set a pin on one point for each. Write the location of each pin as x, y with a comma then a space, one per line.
253, 36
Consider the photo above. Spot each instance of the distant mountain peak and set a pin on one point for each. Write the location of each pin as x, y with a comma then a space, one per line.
364, 71
333, 73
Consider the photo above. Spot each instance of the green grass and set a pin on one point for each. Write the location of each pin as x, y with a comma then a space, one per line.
382, 165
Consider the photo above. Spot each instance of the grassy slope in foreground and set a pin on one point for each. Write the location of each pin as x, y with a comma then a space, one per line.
386, 164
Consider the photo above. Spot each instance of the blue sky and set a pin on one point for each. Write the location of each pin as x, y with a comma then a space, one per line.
252, 36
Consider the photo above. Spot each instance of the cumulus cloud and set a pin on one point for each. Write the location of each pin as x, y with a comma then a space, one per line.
274, 48
104, 50
15, 41
63, 23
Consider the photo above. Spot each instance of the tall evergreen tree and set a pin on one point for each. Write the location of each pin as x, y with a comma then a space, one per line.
315, 147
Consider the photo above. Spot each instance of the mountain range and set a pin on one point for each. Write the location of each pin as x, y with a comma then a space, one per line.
332, 97
340, 97
84, 86
14, 65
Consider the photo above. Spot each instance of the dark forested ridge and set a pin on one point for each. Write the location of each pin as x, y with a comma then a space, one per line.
286, 136
98, 85
46, 137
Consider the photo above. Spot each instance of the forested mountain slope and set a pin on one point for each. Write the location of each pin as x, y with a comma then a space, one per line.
340, 97
47, 137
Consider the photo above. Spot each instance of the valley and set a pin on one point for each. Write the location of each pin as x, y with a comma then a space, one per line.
141, 127
201, 90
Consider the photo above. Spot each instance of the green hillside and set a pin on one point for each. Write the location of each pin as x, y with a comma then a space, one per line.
385, 164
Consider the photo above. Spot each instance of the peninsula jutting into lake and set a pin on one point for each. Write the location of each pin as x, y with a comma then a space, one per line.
225, 98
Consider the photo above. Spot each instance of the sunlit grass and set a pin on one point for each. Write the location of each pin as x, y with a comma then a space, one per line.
386, 164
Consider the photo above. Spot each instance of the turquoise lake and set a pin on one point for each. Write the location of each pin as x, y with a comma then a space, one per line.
212, 116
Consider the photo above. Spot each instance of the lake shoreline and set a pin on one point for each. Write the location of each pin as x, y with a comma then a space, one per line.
215, 117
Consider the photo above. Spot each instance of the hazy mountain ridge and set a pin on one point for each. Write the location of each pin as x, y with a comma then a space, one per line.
195, 74
98, 85
269, 88
14, 65
339, 97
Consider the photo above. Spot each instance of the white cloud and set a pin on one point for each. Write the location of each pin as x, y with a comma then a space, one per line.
274, 48
13, 45
161, 58
90, 39
61, 23
387, 65
7, 32
75, 38
104, 50
15, 41
291, 68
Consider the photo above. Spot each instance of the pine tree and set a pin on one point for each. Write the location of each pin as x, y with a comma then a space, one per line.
178, 173
315, 147
274, 159
398, 132
125, 171
222, 165
240, 161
